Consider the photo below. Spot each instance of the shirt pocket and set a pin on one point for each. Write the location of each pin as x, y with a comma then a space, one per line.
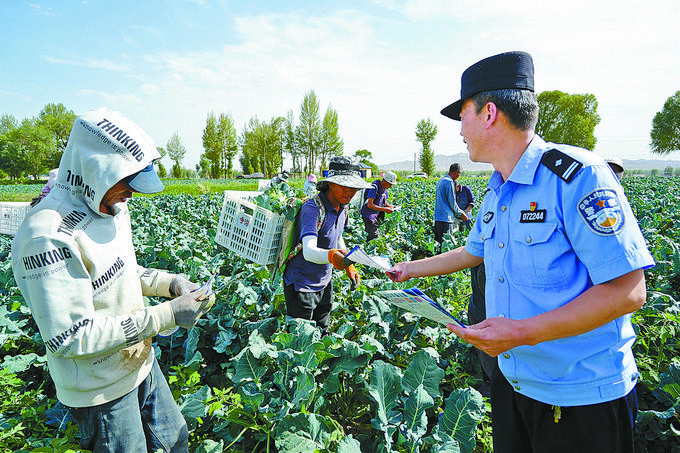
535, 255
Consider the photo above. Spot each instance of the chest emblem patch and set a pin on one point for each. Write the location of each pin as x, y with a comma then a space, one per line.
487, 216
602, 212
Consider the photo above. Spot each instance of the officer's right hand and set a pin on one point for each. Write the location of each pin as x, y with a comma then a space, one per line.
464, 217
187, 309
399, 272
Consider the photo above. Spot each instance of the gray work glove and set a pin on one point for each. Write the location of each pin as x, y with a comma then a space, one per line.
188, 308
180, 286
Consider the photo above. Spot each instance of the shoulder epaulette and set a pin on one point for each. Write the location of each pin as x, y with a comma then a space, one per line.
561, 164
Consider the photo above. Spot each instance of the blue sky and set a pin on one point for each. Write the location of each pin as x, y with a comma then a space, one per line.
383, 65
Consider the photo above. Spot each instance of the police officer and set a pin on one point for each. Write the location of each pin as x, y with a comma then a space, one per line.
564, 261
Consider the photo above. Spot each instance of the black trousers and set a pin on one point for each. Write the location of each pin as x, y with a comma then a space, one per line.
313, 306
523, 425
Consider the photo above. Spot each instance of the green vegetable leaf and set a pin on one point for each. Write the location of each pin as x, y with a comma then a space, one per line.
385, 387
414, 411
248, 368
464, 409
304, 433
423, 370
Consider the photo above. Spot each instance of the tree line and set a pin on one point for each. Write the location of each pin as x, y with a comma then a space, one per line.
35, 145
571, 119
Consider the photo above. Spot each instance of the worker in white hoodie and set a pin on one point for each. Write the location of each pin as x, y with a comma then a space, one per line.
75, 265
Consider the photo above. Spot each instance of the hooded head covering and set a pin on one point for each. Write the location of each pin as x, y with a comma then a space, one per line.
105, 147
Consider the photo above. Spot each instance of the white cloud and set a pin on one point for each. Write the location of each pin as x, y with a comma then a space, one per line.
151, 89
114, 100
91, 63
38, 9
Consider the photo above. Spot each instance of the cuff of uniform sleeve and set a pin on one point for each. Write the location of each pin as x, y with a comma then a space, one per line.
163, 315
473, 250
163, 284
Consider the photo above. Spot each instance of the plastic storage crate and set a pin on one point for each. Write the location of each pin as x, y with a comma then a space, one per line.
12, 213
249, 230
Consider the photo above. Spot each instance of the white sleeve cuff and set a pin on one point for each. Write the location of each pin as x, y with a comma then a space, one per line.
311, 252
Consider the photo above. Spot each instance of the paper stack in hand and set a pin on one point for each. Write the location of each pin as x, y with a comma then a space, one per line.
415, 301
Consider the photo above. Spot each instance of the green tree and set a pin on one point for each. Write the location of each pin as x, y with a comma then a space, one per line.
229, 144
161, 168
31, 145
176, 152
331, 144
668, 171
220, 144
210, 159
58, 121
426, 132
7, 123
365, 156
654, 172
666, 127
290, 144
568, 118
262, 146
308, 132
677, 171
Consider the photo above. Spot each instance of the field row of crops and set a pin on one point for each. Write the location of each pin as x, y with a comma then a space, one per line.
249, 380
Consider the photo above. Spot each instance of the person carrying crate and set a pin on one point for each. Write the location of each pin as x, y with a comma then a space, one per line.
308, 288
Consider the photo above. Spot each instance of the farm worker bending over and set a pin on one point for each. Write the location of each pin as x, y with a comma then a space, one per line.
376, 205
447, 215
465, 201
279, 180
310, 185
564, 260
308, 288
75, 265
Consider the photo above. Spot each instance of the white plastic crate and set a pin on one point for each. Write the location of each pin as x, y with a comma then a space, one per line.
249, 230
12, 213
263, 184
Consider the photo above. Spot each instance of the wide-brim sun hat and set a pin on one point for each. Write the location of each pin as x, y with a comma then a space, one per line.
390, 177
145, 181
344, 172
509, 70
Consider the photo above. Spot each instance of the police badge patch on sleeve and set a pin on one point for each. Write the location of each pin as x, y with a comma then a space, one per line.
602, 212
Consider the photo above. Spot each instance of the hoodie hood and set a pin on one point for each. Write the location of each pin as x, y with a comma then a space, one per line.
103, 148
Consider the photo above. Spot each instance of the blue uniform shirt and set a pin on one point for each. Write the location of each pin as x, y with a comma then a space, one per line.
544, 242
305, 275
445, 207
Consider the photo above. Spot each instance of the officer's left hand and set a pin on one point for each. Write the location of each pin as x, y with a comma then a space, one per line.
493, 335
353, 276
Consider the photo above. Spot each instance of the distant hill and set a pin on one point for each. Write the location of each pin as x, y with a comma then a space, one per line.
442, 163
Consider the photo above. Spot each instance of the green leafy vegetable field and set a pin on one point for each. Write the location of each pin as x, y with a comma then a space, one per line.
249, 380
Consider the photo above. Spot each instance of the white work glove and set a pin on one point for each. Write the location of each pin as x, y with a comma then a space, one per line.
180, 286
188, 308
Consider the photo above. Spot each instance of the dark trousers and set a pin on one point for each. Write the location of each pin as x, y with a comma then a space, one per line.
314, 306
523, 425
371, 226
